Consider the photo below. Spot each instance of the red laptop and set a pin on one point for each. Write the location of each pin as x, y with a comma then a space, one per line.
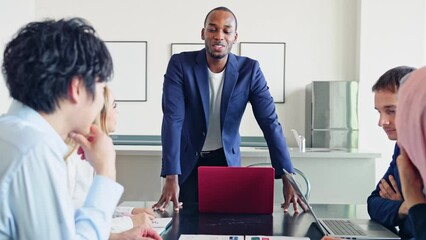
236, 190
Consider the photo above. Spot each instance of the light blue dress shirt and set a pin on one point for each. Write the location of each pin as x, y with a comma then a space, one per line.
34, 201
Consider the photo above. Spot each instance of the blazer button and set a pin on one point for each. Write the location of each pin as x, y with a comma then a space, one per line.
204, 134
196, 154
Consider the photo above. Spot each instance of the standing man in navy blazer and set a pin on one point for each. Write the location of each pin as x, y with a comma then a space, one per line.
205, 94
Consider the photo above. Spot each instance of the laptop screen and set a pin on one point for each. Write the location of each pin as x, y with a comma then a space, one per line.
294, 184
373, 230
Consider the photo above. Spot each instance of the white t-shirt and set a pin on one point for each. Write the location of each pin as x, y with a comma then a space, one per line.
214, 135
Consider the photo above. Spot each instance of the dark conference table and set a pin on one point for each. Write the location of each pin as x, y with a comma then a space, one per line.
190, 221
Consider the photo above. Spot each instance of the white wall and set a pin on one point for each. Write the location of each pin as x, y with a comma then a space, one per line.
326, 40
13, 15
392, 33
320, 44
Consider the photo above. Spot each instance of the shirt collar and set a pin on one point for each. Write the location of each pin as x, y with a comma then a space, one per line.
33, 118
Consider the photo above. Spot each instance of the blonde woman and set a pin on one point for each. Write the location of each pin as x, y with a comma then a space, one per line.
80, 175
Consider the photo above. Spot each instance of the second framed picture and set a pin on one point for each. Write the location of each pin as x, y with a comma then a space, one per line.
130, 70
271, 57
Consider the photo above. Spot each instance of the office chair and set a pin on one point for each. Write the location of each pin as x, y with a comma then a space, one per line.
300, 177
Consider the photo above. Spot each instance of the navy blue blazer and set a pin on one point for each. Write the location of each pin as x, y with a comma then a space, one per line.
185, 104
417, 215
385, 211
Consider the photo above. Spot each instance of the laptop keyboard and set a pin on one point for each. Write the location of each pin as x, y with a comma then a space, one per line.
343, 227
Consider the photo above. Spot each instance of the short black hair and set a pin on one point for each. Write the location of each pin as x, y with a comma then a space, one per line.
43, 57
221, 9
391, 79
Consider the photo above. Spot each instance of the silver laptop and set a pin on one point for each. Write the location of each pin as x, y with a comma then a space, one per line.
346, 228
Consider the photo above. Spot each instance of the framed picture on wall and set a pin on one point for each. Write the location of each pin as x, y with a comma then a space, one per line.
129, 82
185, 47
271, 57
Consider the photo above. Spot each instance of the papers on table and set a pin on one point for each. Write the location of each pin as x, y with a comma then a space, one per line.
231, 237
209, 237
275, 238
160, 224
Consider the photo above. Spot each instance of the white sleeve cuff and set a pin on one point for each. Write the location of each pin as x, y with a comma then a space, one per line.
104, 194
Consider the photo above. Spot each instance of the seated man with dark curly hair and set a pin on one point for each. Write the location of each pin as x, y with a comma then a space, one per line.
56, 72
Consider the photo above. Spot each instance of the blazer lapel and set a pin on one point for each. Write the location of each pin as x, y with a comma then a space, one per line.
202, 78
231, 76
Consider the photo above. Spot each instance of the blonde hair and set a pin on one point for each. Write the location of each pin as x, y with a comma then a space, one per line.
101, 120
72, 146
